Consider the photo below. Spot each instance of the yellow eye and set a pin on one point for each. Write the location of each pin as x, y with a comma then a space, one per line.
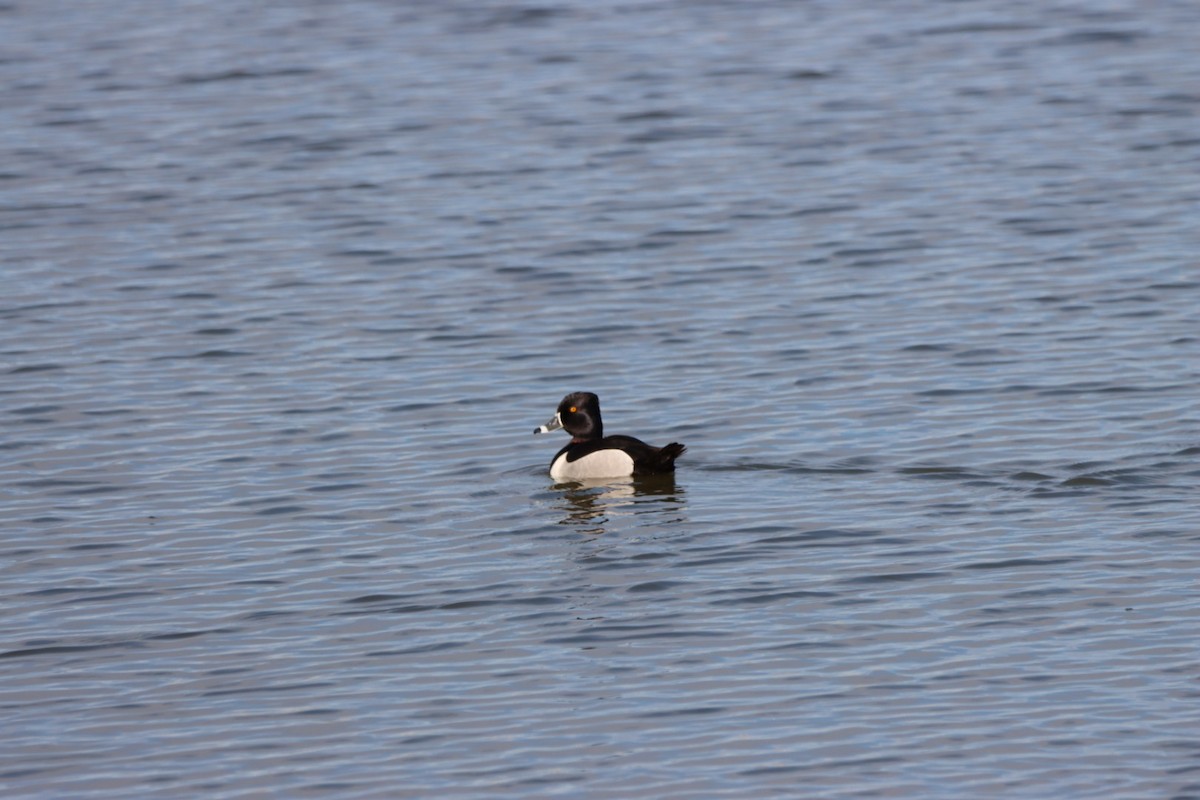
572, 410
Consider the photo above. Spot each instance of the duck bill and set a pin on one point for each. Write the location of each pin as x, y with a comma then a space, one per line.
554, 424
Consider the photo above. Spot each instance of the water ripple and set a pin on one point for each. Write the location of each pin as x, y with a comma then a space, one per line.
283, 299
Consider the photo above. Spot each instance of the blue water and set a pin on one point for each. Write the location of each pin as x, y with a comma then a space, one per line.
287, 285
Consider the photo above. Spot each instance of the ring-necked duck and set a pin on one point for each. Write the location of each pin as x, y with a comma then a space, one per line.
591, 454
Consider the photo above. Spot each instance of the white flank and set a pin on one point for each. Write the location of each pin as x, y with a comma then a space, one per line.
601, 464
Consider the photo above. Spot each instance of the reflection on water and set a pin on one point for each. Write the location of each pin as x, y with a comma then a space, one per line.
590, 505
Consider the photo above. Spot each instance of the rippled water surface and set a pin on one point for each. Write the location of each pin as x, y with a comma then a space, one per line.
287, 285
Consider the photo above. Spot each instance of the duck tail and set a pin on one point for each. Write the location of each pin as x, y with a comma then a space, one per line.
664, 459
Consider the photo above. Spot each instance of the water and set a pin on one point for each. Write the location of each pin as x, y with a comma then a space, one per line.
287, 285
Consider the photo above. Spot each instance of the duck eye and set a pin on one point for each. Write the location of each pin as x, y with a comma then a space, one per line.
571, 410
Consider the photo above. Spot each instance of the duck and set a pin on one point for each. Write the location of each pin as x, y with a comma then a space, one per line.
591, 454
